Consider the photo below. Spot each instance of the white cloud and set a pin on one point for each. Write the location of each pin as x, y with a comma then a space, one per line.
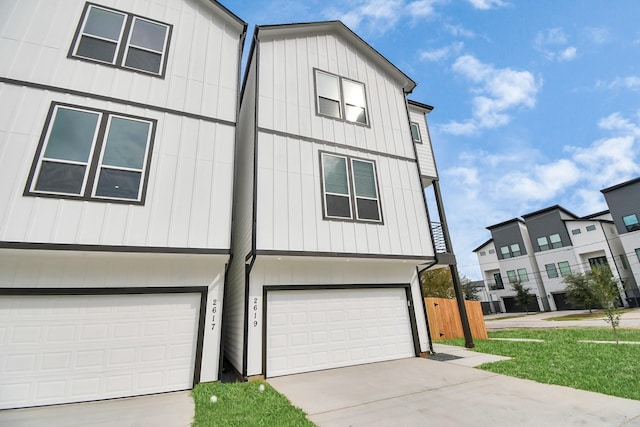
598, 35
552, 43
499, 91
487, 4
437, 55
629, 82
459, 31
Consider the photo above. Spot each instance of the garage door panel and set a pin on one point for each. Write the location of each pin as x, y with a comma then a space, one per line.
78, 347
342, 327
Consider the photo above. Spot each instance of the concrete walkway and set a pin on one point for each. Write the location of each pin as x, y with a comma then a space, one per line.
419, 392
630, 319
158, 410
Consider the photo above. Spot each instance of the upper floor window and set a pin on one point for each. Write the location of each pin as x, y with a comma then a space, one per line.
591, 227
492, 251
498, 284
551, 270
482, 253
511, 275
576, 231
631, 222
341, 98
522, 275
565, 269
350, 188
552, 242
510, 251
415, 133
121, 39
624, 261
92, 154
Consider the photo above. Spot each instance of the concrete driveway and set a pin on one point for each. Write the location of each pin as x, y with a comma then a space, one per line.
158, 410
419, 392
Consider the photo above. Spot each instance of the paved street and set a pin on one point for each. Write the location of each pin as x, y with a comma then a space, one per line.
630, 319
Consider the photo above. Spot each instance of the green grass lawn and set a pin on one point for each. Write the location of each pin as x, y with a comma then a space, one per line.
242, 404
562, 360
596, 314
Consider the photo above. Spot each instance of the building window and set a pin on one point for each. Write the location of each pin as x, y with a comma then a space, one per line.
543, 243
631, 222
515, 250
555, 240
601, 260
510, 251
576, 231
522, 275
121, 39
341, 98
624, 261
492, 251
350, 189
415, 133
511, 275
505, 252
497, 277
564, 268
92, 154
552, 272
482, 253
591, 228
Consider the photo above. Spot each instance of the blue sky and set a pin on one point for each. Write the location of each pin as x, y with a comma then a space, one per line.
536, 102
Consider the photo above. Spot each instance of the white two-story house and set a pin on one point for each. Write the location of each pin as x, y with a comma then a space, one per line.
117, 133
330, 219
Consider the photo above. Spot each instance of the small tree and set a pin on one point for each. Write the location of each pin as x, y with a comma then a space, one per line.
437, 283
469, 290
523, 295
581, 291
608, 294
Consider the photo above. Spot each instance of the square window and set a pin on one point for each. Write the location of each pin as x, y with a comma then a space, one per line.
522, 275
591, 228
77, 141
515, 250
631, 222
551, 270
340, 98
576, 231
564, 268
415, 133
121, 39
350, 186
543, 243
505, 252
555, 240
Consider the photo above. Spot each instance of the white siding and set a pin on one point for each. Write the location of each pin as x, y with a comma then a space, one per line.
67, 269
202, 65
326, 271
287, 94
189, 192
424, 150
289, 203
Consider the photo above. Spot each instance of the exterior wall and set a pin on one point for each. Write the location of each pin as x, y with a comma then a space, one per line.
507, 235
290, 212
273, 270
623, 201
189, 192
631, 242
70, 269
242, 224
534, 283
546, 224
34, 47
424, 150
287, 94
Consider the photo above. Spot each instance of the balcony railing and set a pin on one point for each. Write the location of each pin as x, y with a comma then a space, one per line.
439, 241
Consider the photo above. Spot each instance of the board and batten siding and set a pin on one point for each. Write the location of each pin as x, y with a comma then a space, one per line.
287, 94
425, 149
78, 270
202, 65
270, 271
189, 191
290, 206
242, 225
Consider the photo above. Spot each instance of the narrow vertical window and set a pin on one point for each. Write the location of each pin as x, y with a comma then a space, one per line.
415, 132
355, 104
511, 275
564, 268
328, 91
522, 275
551, 271
337, 202
366, 191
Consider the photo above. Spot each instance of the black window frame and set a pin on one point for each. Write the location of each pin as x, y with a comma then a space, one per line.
351, 185
631, 227
552, 271
591, 227
567, 272
576, 231
123, 44
95, 160
523, 275
342, 115
416, 126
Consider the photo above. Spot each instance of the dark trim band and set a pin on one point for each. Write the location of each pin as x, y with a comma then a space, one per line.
126, 102
342, 255
202, 290
108, 248
335, 144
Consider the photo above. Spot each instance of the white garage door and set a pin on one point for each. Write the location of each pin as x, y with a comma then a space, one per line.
61, 349
309, 330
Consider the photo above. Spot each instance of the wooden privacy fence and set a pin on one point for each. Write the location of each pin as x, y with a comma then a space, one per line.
444, 319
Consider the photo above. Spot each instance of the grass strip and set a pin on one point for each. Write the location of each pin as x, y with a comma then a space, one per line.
562, 360
243, 404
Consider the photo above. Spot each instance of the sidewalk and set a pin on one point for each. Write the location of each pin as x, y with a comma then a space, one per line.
629, 319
